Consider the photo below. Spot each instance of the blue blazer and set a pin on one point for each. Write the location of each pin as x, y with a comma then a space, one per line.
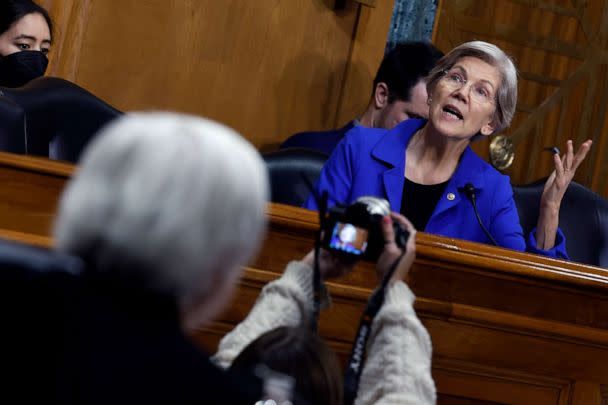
371, 161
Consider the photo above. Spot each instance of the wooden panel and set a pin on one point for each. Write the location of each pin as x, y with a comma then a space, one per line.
560, 49
29, 192
367, 53
507, 327
587, 393
268, 68
491, 385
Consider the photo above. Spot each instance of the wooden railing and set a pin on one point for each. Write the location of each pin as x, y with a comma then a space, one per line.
507, 327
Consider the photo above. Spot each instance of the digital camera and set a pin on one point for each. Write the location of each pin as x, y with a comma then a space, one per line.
356, 230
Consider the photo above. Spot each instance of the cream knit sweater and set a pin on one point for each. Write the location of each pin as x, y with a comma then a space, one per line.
397, 369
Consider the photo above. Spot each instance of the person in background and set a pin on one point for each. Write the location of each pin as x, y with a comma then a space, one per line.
163, 247
428, 172
25, 40
399, 93
397, 368
299, 354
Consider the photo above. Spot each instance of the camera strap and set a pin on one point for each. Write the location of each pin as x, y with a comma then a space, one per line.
316, 277
352, 374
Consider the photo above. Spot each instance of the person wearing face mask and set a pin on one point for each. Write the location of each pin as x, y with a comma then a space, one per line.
25, 40
428, 172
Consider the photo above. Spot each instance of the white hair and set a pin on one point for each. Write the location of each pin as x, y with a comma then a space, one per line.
171, 201
506, 97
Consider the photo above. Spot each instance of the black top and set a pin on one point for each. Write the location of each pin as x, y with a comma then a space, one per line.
418, 201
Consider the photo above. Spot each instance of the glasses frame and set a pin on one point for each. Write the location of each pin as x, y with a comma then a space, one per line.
452, 83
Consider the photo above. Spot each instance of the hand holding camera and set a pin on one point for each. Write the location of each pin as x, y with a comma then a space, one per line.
393, 252
356, 230
365, 230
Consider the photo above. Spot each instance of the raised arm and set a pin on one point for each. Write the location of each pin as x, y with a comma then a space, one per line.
286, 301
283, 302
555, 188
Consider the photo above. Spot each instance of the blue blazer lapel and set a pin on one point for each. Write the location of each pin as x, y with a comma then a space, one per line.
390, 150
393, 180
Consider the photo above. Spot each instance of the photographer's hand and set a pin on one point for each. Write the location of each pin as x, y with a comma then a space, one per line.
331, 266
392, 252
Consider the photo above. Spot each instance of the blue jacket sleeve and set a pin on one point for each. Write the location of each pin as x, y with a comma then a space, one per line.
558, 251
336, 177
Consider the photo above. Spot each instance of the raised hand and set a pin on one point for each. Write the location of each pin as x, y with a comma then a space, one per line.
565, 168
553, 193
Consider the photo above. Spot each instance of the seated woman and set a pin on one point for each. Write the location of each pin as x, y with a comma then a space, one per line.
397, 368
164, 247
25, 41
428, 172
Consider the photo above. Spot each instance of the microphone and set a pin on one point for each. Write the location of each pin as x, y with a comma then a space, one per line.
470, 191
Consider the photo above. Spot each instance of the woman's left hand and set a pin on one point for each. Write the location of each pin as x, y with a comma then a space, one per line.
565, 168
555, 188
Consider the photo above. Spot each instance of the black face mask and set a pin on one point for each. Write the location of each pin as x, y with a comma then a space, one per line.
19, 68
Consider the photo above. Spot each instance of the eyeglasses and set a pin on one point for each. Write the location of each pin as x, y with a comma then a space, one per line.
479, 92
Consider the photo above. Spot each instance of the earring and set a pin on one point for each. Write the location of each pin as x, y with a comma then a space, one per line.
428, 100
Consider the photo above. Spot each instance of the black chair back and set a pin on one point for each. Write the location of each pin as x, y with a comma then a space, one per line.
33, 286
12, 126
288, 168
60, 118
583, 218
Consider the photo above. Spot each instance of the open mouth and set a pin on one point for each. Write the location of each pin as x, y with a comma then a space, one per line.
452, 111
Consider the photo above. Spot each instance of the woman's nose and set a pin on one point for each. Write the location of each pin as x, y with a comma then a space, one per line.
462, 93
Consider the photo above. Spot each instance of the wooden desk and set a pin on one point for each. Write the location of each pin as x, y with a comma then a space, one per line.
507, 327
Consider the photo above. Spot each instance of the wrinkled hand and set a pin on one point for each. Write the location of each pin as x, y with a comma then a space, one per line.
330, 265
565, 168
392, 252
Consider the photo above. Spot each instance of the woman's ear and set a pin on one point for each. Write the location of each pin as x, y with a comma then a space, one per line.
381, 95
490, 127
487, 129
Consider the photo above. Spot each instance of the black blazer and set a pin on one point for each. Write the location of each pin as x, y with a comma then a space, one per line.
323, 141
76, 339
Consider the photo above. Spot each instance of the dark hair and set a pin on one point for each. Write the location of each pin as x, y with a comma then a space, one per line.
12, 11
301, 354
404, 66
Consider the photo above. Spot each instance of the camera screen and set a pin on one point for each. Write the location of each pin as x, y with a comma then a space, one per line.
348, 238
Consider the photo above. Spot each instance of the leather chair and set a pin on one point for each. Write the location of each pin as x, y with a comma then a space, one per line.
12, 126
29, 277
33, 283
59, 118
287, 169
583, 218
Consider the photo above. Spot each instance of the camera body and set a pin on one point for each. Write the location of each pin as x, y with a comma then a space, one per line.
356, 230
